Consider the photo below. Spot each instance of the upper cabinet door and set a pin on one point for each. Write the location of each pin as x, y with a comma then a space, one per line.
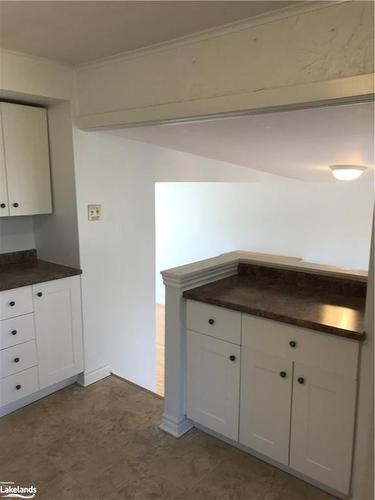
4, 205
58, 329
25, 137
322, 427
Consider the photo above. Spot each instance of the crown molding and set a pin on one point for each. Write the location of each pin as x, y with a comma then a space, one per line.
35, 58
212, 33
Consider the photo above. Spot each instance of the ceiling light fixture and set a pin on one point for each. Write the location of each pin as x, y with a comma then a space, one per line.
347, 172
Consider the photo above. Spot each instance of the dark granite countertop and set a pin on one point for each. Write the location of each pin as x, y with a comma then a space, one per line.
24, 268
327, 304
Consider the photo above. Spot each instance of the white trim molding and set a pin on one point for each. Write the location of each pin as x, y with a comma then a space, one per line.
224, 265
176, 428
339, 91
88, 378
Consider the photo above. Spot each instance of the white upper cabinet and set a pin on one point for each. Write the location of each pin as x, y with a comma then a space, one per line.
4, 204
25, 187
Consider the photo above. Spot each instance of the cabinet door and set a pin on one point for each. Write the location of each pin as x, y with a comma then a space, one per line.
4, 205
213, 383
58, 329
266, 389
26, 159
322, 426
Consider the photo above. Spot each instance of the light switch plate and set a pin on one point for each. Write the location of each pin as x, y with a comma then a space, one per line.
94, 212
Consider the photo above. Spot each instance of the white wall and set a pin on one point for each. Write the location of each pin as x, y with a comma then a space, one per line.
118, 253
323, 223
16, 233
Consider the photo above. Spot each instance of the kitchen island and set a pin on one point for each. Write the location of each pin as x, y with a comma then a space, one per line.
263, 352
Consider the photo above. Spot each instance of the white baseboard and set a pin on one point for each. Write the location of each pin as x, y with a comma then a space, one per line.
175, 428
88, 378
16, 405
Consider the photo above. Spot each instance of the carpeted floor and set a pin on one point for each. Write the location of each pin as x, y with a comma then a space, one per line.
103, 442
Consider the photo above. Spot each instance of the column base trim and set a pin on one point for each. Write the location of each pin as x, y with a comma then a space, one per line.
175, 428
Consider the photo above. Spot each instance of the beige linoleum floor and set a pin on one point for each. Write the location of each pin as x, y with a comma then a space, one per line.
103, 442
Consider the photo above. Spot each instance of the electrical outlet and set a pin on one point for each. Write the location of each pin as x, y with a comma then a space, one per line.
94, 212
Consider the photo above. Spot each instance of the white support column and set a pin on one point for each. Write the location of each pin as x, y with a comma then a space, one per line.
174, 420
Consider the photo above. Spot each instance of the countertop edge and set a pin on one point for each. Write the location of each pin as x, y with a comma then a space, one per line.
327, 329
67, 273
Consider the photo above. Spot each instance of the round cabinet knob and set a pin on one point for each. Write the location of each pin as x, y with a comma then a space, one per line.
232, 357
301, 380
40, 294
16, 205
3, 205
16, 360
18, 387
14, 332
293, 343
211, 321
12, 303
282, 374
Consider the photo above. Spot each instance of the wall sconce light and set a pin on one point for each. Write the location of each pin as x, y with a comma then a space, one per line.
347, 172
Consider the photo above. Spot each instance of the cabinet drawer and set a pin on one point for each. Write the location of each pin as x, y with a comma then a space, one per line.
16, 302
215, 321
16, 330
19, 385
18, 358
331, 353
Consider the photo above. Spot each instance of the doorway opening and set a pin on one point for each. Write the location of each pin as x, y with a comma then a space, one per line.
260, 183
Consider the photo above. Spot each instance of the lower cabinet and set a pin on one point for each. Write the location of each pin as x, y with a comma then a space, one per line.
58, 325
322, 426
298, 415
20, 385
213, 383
40, 337
287, 393
266, 393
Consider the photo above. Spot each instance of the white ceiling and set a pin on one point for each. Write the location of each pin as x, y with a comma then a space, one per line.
297, 144
82, 31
